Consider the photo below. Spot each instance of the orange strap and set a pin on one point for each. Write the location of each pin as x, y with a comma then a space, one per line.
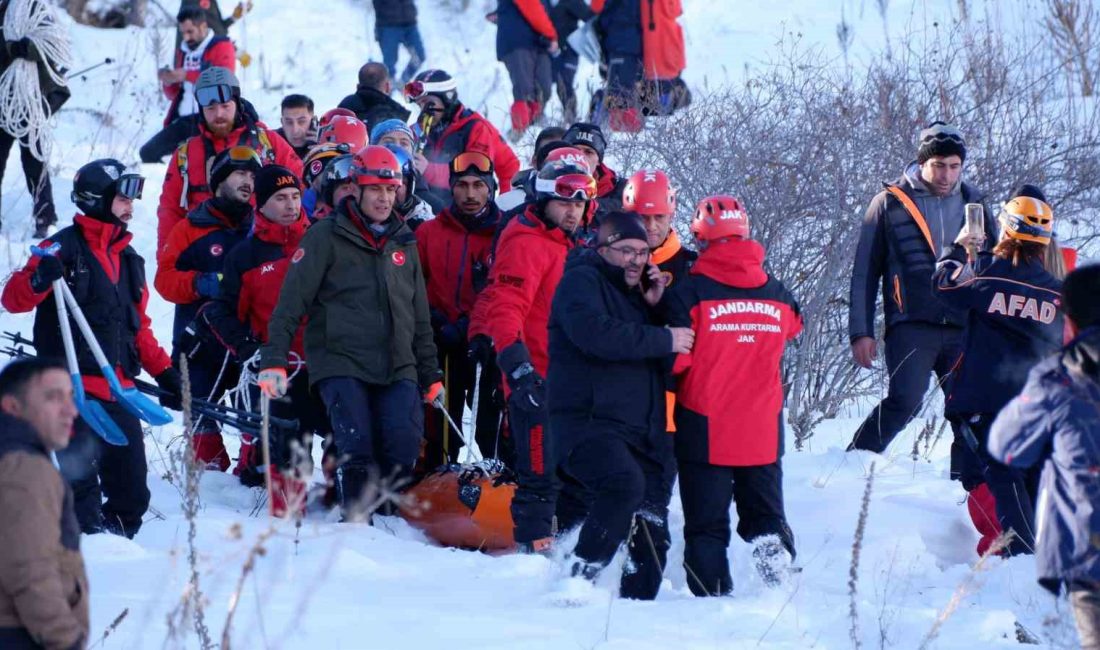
914, 212
667, 250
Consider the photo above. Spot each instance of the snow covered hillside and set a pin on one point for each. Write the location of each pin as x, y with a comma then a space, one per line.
352, 586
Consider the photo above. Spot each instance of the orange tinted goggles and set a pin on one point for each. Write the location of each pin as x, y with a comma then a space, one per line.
464, 161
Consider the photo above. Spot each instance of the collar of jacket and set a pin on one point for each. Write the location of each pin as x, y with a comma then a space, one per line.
187, 49
606, 180
484, 221
103, 236
270, 232
211, 214
1082, 354
351, 222
666, 250
735, 262
18, 435
530, 218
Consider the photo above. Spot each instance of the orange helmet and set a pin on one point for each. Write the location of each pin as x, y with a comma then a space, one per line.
376, 165
319, 156
327, 117
1028, 219
347, 130
720, 217
649, 192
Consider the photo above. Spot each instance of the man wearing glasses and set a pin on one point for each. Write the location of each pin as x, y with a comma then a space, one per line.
107, 278
447, 128
530, 257
606, 384
225, 120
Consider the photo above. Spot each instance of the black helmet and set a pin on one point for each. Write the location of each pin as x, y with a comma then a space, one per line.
97, 183
336, 171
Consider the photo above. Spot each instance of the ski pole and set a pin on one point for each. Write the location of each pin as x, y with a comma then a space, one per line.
474, 410
265, 438
446, 398
107, 61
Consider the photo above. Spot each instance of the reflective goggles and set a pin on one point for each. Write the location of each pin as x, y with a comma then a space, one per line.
241, 153
339, 169
464, 161
210, 95
571, 187
130, 186
414, 90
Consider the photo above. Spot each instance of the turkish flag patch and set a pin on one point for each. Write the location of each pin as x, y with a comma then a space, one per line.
216, 250
297, 256
398, 258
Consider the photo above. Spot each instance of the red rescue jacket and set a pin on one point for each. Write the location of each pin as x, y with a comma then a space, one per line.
118, 266
452, 253
528, 265
729, 398
468, 131
218, 52
185, 185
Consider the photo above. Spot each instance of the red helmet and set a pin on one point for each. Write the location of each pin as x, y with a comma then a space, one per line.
347, 130
649, 192
719, 217
327, 117
376, 165
569, 155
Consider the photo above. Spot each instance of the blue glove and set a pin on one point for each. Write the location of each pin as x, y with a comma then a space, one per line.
208, 285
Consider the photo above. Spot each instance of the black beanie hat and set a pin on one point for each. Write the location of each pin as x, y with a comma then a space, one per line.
271, 179
588, 134
617, 226
940, 139
1031, 191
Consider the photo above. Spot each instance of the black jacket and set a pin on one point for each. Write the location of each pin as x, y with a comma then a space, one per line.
394, 13
608, 359
373, 106
895, 253
1014, 321
566, 14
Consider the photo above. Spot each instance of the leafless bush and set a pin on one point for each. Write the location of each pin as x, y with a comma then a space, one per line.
806, 143
1072, 26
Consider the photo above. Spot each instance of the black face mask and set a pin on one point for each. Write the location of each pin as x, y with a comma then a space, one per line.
236, 211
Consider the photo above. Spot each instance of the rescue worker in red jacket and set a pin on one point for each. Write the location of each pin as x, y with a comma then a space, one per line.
107, 278
529, 261
200, 48
190, 269
742, 319
453, 129
225, 120
454, 250
253, 276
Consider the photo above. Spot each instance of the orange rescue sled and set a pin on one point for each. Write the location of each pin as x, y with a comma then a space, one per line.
464, 506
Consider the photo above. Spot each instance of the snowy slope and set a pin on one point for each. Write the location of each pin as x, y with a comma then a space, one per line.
353, 586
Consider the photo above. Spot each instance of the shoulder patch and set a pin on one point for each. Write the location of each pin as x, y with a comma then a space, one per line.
398, 258
298, 255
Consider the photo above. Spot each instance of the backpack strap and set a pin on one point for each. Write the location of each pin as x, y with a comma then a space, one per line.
914, 212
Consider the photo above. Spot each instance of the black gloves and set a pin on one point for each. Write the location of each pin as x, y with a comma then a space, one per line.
481, 350
49, 270
528, 387
171, 383
246, 349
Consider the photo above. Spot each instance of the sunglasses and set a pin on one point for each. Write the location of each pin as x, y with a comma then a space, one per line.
464, 161
130, 186
571, 187
210, 95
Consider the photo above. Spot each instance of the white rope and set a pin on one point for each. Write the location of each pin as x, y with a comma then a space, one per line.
24, 112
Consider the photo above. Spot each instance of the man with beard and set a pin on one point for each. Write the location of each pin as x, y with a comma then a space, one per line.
606, 384
199, 49
298, 124
454, 250
107, 278
225, 120
525, 273
357, 279
190, 269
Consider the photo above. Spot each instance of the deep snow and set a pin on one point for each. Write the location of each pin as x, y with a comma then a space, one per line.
352, 586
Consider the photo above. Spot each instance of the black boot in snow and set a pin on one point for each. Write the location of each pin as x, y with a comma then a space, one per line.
772, 560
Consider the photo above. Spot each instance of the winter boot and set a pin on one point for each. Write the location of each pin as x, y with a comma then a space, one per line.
587, 570
772, 560
535, 108
351, 483
249, 462
983, 512
288, 494
210, 451
521, 119
626, 120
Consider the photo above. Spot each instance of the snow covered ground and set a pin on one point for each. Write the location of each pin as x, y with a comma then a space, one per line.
353, 586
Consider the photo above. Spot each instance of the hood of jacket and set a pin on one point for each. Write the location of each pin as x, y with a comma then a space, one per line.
735, 262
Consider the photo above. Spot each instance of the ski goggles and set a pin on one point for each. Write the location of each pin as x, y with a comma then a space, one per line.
130, 186
571, 187
339, 169
471, 159
241, 153
414, 90
210, 95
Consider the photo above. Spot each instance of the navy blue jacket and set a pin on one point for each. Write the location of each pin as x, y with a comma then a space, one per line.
620, 28
895, 253
514, 32
1013, 321
1056, 421
608, 360
394, 13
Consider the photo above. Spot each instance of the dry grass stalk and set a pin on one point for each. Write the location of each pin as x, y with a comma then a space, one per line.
853, 567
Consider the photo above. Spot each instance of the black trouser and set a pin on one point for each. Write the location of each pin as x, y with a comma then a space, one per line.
1014, 489
530, 72
211, 370
96, 469
705, 492
168, 139
624, 71
459, 375
37, 177
625, 486
913, 351
565, 72
377, 429
536, 480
